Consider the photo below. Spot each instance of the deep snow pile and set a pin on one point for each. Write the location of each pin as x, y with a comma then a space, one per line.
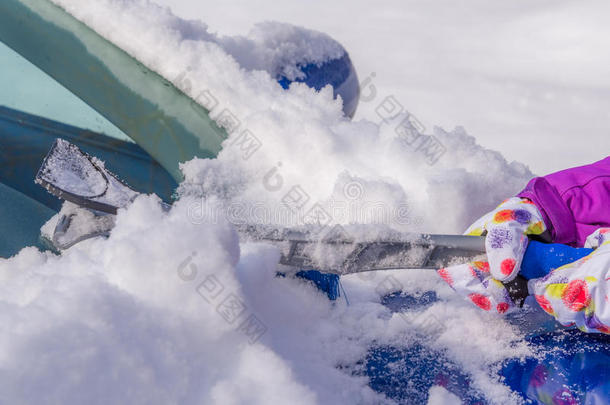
173, 309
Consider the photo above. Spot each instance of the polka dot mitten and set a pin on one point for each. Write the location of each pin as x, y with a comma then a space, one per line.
577, 293
506, 231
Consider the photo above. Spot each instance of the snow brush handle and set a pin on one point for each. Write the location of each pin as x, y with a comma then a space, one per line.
542, 258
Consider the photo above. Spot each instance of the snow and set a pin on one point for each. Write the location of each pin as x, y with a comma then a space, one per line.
144, 316
121, 326
440, 396
128, 320
527, 80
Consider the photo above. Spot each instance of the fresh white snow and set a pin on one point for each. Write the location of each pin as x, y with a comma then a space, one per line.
172, 308
440, 396
527, 79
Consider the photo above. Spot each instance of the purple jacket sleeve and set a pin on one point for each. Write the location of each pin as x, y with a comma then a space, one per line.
573, 202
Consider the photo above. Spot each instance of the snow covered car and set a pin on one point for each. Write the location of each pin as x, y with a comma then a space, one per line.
65, 78
66, 81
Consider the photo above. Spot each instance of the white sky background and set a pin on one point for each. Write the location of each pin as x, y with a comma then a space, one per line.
529, 79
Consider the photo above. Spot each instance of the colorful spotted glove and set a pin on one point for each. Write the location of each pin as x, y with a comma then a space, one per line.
577, 293
473, 280
507, 228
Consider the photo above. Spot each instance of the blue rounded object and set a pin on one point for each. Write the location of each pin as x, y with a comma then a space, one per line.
339, 73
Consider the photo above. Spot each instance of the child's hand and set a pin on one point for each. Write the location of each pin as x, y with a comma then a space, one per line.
507, 229
474, 282
577, 293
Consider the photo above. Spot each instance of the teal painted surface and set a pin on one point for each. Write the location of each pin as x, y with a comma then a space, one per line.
20, 220
26, 88
165, 122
